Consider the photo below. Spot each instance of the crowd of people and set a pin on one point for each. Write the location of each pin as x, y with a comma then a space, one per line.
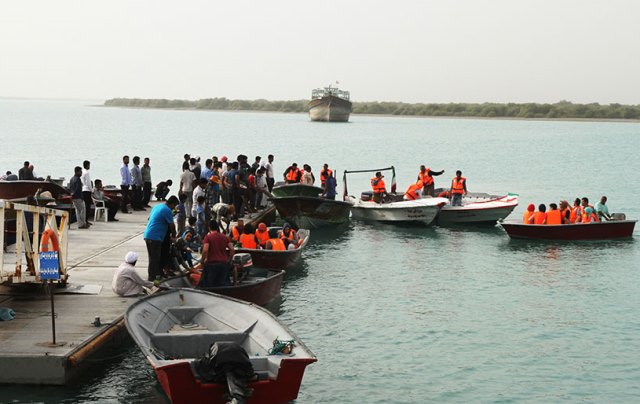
563, 213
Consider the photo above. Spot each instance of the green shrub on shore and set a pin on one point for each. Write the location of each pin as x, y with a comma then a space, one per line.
559, 110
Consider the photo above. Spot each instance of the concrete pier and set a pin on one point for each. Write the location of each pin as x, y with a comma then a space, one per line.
26, 353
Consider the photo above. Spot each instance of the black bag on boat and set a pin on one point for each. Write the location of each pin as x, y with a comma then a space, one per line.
224, 358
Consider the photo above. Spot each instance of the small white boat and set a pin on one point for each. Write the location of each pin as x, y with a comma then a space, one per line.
176, 331
421, 211
478, 208
394, 209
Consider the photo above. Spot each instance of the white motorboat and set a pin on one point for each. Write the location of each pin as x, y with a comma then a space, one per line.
478, 208
394, 208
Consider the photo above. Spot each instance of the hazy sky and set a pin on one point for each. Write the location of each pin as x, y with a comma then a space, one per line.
413, 51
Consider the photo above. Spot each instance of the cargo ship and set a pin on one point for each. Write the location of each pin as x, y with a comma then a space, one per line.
329, 104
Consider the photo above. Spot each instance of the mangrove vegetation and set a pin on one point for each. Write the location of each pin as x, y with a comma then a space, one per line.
559, 110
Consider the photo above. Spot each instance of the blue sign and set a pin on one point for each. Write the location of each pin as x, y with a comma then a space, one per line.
49, 266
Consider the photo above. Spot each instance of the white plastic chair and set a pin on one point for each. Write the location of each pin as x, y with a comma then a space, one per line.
100, 209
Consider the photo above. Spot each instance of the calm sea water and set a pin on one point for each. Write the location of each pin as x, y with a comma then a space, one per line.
395, 314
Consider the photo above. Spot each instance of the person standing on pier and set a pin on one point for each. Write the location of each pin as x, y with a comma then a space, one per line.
87, 188
160, 223
268, 166
186, 186
125, 183
136, 177
75, 185
146, 183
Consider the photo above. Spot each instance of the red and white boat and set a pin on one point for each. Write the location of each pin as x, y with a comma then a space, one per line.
478, 208
606, 230
177, 328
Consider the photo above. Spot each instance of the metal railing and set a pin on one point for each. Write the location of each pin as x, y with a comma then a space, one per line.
22, 265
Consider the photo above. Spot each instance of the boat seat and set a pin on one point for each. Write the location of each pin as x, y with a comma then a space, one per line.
192, 345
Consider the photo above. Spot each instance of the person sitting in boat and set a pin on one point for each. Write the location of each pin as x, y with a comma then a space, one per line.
237, 230
425, 176
126, 281
307, 177
278, 244
601, 208
589, 216
262, 234
324, 174
540, 217
414, 191
458, 188
190, 235
565, 210
554, 215
292, 174
223, 213
574, 215
584, 216
379, 187
288, 233
248, 239
527, 218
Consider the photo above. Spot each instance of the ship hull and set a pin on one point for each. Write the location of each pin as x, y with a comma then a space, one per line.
329, 109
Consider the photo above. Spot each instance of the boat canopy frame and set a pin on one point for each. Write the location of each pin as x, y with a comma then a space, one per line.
344, 178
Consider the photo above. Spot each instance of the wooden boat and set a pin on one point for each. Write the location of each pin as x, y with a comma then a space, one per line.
22, 189
606, 230
329, 104
277, 259
281, 189
176, 328
253, 285
394, 209
312, 212
478, 208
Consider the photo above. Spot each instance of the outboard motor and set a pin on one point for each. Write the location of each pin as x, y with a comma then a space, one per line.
227, 362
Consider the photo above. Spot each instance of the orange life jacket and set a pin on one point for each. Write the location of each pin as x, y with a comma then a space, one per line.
324, 174
443, 194
591, 218
554, 217
573, 216
277, 244
292, 175
248, 241
564, 213
291, 235
378, 185
425, 178
411, 191
526, 218
262, 236
235, 233
457, 187
538, 217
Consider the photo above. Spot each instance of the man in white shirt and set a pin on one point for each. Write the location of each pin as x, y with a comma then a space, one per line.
87, 188
198, 191
125, 183
269, 172
126, 281
186, 187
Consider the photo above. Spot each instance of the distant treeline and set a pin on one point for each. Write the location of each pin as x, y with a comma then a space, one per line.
562, 109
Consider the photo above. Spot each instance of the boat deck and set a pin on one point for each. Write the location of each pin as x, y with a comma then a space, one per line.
26, 353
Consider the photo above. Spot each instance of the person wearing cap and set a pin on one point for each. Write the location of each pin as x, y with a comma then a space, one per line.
126, 281
262, 234
379, 187
527, 217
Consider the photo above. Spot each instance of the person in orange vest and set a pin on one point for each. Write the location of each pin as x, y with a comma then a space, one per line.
292, 174
589, 216
565, 210
288, 233
413, 192
527, 218
574, 214
237, 230
379, 187
458, 188
540, 217
262, 234
554, 216
426, 177
325, 173
248, 239
277, 244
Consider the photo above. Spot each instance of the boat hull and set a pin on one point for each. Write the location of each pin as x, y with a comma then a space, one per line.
311, 213
329, 109
420, 211
271, 259
478, 211
281, 189
578, 231
24, 189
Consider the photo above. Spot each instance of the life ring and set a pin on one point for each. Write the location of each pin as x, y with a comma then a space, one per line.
49, 237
